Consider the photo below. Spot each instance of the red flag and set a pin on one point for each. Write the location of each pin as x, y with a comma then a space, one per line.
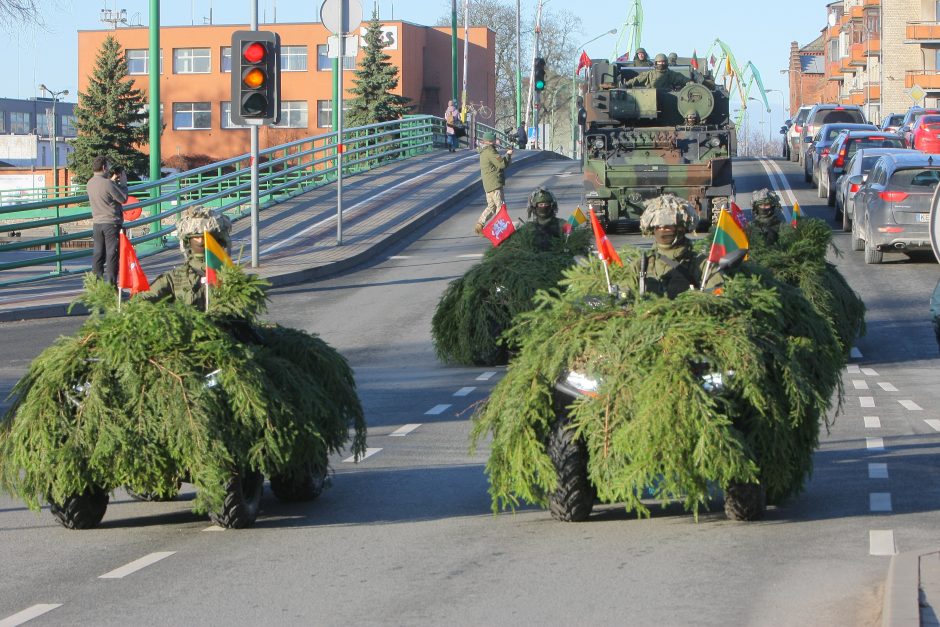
694, 62
605, 249
624, 57
738, 215
130, 275
712, 61
500, 227
584, 61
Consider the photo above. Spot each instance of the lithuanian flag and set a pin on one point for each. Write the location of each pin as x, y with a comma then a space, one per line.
576, 219
728, 237
796, 214
216, 257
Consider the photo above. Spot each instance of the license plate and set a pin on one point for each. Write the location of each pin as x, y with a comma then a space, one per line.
923, 217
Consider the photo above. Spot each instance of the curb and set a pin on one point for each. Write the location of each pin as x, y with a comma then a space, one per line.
902, 596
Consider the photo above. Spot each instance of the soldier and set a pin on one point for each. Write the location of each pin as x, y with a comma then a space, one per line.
692, 119
765, 207
641, 58
672, 267
673, 58
493, 172
544, 207
660, 77
187, 282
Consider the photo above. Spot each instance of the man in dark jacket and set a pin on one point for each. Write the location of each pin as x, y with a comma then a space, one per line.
107, 193
493, 172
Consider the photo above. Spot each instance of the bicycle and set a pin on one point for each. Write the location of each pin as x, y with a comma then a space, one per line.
478, 110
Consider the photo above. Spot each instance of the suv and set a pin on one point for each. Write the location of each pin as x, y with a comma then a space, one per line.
892, 122
846, 143
907, 124
827, 114
817, 146
794, 130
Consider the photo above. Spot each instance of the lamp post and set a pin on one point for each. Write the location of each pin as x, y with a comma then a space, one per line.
55, 171
574, 94
783, 109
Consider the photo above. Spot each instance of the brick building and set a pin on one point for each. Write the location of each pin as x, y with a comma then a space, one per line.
807, 74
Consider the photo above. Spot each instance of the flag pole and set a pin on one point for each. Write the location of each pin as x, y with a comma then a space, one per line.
708, 266
205, 258
606, 274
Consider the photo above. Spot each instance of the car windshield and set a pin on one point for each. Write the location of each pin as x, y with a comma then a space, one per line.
919, 114
869, 162
895, 119
916, 178
832, 133
878, 141
930, 119
801, 116
834, 116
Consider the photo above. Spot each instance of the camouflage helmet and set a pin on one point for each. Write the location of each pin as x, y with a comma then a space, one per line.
641, 50
660, 57
668, 210
542, 195
765, 196
197, 220
673, 58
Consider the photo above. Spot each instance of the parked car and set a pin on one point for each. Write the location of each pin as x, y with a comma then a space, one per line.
822, 114
910, 118
892, 122
795, 132
860, 163
820, 143
892, 206
925, 134
846, 143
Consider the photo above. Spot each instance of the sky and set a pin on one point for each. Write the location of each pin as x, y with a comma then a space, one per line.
755, 30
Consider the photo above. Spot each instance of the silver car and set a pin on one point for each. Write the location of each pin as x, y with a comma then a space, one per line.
892, 206
860, 163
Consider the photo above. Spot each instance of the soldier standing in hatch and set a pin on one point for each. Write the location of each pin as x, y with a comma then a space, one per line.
641, 58
544, 208
493, 172
765, 207
660, 77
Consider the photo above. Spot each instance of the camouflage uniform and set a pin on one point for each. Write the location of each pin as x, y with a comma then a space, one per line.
660, 77
641, 58
544, 207
672, 265
765, 208
493, 173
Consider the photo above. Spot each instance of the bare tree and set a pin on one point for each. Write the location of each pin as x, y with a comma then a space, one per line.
16, 12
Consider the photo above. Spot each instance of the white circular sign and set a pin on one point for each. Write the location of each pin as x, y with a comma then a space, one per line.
352, 15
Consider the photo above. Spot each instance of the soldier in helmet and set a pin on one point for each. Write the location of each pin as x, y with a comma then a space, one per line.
660, 77
673, 58
672, 267
544, 209
641, 58
692, 119
765, 207
187, 282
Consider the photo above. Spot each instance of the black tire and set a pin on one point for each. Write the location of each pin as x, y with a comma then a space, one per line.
858, 244
82, 511
846, 221
242, 501
745, 501
794, 157
304, 485
820, 192
807, 175
573, 499
830, 193
872, 254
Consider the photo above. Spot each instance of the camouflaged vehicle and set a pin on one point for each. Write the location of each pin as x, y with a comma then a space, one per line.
640, 142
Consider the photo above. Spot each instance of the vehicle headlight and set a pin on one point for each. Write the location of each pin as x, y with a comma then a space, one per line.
598, 144
582, 382
714, 142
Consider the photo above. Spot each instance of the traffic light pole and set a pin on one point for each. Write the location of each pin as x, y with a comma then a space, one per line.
254, 164
339, 128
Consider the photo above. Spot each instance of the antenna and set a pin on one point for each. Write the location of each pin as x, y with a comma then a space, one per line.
115, 17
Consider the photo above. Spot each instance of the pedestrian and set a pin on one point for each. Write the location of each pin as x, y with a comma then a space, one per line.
493, 172
451, 116
522, 137
107, 193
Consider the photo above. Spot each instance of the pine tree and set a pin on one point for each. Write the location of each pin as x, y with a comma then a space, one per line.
375, 80
109, 117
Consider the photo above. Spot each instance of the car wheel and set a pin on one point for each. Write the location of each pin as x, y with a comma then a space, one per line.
830, 193
807, 176
820, 192
872, 254
846, 222
794, 156
858, 244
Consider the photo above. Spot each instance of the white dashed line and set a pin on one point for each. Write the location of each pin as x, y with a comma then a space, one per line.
404, 430
464, 391
875, 444
471, 256
399, 257
868, 372
877, 471
881, 542
879, 501
911, 405
486, 376
853, 369
436, 410
934, 423
872, 422
855, 353
133, 567
369, 453
860, 384
866, 401
28, 614
887, 387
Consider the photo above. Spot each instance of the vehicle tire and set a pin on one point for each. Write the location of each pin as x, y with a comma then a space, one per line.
242, 501
830, 193
573, 499
858, 244
820, 192
872, 254
807, 175
846, 221
304, 485
794, 157
745, 501
82, 511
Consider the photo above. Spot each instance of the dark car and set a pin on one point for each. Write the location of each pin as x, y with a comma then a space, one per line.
912, 115
822, 114
860, 163
820, 142
892, 206
794, 134
846, 143
892, 122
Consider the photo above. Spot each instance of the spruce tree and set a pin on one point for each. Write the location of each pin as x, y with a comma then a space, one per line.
109, 117
375, 80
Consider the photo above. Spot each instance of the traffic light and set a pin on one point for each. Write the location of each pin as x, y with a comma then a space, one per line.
256, 74
538, 73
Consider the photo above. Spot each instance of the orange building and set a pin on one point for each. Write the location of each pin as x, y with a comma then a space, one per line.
195, 70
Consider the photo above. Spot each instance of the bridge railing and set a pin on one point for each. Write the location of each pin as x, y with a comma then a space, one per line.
52, 237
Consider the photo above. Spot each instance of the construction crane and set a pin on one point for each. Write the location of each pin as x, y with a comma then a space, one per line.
735, 79
632, 31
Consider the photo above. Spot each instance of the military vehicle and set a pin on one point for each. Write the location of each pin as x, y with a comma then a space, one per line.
640, 142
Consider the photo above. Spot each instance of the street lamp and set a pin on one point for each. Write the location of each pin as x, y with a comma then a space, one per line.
574, 94
55, 172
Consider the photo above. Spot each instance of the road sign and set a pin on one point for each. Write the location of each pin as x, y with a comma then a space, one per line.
351, 49
917, 93
352, 15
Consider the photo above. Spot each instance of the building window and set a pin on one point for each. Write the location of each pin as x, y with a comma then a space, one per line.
19, 123
226, 59
293, 58
3, 124
192, 115
44, 123
227, 117
325, 63
325, 112
138, 61
293, 114
192, 61
68, 126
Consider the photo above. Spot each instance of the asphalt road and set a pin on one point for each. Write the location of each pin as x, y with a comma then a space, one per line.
407, 535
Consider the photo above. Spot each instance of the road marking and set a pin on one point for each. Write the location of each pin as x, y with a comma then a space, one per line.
486, 376
911, 405
470, 256
860, 384
887, 387
934, 423
779, 182
369, 453
404, 430
853, 369
437, 410
866, 401
868, 372
881, 542
400, 257
28, 614
855, 353
133, 567
872, 422
877, 471
464, 391
875, 444
879, 501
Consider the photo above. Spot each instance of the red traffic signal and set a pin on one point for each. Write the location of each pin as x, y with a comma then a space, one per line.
256, 93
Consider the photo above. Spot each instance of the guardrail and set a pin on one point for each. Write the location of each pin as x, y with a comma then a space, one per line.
41, 230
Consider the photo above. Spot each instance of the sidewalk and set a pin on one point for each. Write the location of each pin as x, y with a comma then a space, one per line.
298, 236
912, 590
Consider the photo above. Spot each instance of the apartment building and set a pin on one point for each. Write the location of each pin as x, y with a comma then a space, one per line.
195, 73
31, 120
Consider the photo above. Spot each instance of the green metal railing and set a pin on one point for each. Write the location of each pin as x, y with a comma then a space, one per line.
49, 228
